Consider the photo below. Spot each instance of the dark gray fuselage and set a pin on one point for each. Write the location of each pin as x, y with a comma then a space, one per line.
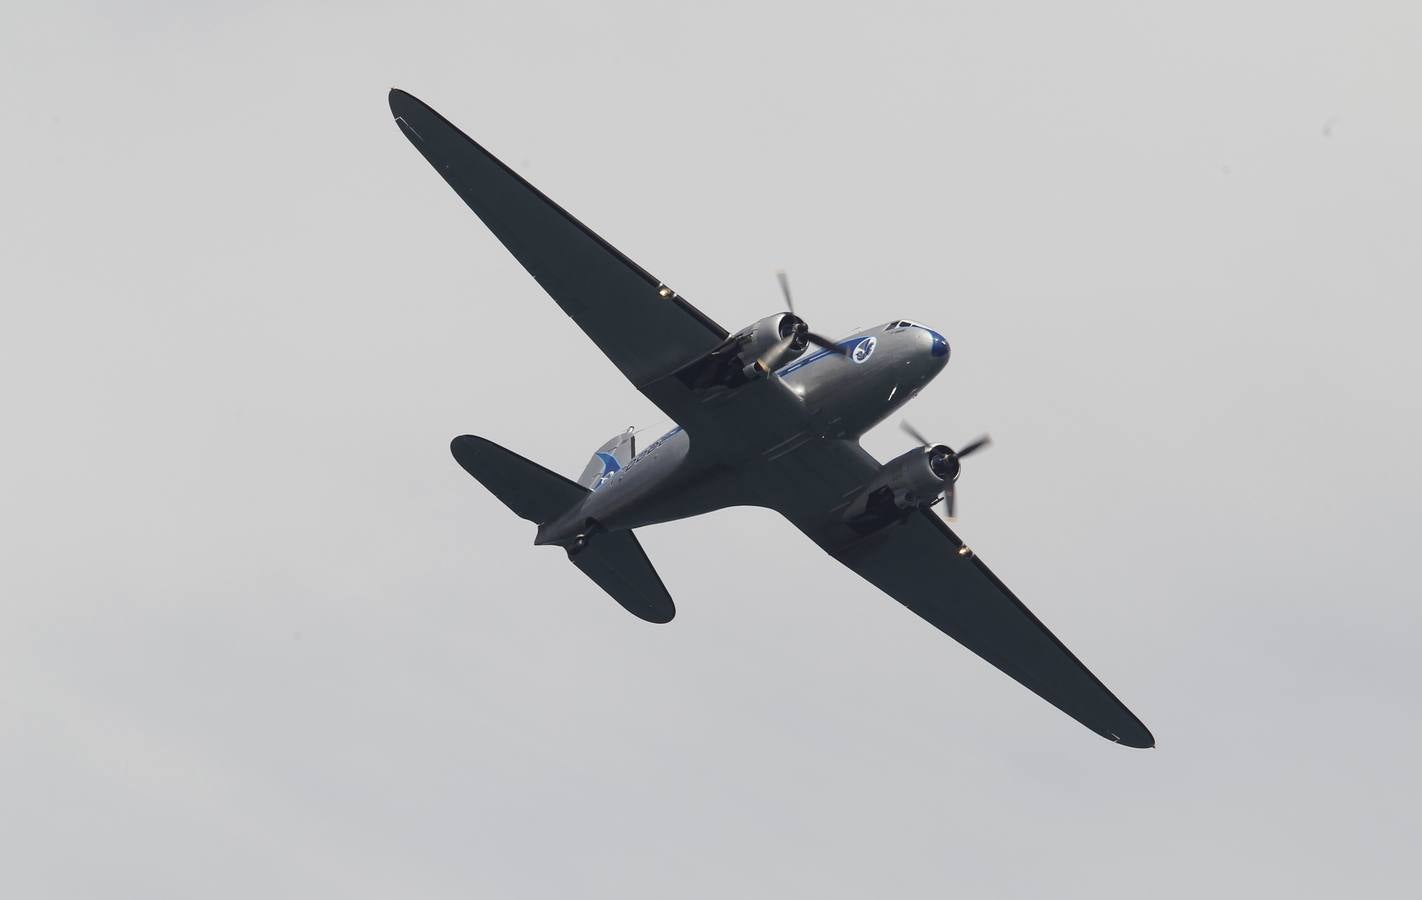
835, 397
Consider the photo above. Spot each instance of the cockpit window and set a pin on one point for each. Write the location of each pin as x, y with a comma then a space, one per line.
902, 323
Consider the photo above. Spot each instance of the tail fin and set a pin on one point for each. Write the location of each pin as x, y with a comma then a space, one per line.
614, 560
610, 457
531, 491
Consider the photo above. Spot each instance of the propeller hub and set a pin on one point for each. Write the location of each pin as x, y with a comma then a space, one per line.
795, 334
944, 463
791, 324
794, 330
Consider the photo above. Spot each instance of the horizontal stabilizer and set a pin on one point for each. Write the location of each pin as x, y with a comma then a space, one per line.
616, 562
531, 491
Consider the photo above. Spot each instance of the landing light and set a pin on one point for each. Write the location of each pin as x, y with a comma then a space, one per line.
964, 551
665, 291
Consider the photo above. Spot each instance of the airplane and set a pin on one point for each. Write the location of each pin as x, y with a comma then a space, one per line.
769, 416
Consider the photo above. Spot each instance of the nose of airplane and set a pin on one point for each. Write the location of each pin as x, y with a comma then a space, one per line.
939, 348
940, 345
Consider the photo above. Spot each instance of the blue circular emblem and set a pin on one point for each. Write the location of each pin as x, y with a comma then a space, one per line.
864, 349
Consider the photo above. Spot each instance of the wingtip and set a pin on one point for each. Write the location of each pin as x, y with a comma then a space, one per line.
400, 100
465, 449
657, 617
407, 109
464, 442
1140, 740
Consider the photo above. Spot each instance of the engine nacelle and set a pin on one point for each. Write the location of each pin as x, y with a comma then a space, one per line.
914, 480
758, 338
734, 361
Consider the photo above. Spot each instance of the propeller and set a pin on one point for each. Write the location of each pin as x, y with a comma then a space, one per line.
946, 463
800, 334
785, 289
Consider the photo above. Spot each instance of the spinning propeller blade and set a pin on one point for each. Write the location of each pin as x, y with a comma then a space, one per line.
810, 336
975, 446
785, 289
915, 433
826, 343
771, 360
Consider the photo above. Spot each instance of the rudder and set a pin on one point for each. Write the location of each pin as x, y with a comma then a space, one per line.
609, 458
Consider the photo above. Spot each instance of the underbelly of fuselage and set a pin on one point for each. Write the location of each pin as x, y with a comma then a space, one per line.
724, 464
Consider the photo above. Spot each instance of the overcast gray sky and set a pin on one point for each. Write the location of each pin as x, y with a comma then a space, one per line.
261, 637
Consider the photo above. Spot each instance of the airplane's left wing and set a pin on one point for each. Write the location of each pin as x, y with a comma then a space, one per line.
921, 563
644, 327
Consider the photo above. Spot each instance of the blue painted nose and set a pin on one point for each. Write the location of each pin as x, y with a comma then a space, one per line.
940, 344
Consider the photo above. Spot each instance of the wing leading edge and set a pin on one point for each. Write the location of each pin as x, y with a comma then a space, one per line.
921, 563
644, 328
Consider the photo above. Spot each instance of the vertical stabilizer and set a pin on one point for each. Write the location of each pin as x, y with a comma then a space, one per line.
609, 458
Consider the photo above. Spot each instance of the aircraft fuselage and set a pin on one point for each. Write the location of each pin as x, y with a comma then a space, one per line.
844, 395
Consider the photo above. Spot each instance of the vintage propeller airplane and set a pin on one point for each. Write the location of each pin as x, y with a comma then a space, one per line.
764, 421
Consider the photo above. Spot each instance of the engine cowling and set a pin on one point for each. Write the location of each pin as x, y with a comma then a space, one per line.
782, 336
914, 480
759, 338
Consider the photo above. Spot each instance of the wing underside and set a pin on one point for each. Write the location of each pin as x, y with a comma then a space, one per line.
921, 563
647, 330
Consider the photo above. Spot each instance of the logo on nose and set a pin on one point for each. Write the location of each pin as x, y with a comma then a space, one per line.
864, 349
